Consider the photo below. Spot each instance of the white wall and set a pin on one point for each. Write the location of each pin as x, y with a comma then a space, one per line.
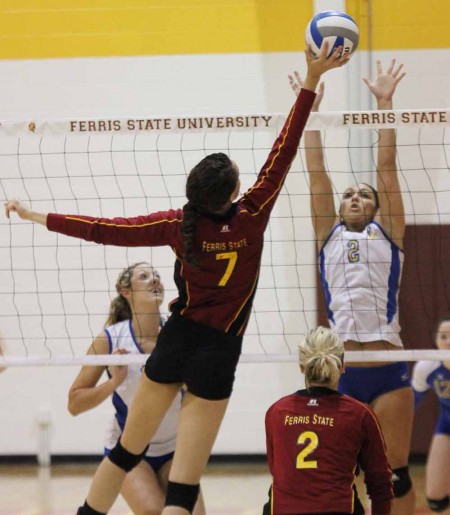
181, 85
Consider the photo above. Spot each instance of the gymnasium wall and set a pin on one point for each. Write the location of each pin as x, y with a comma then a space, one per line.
109, 58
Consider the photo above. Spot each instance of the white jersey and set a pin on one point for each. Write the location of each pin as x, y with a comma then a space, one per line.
360, 274
434, 375
120, 336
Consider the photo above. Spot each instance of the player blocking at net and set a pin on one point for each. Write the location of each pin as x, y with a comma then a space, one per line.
360, 247
200, 344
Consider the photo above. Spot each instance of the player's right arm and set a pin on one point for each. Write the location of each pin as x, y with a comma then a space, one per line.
16, 206
156, 229
85, 392
323, 211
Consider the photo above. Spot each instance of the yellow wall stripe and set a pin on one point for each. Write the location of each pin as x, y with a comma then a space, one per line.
89, 28
77, 28
400, 24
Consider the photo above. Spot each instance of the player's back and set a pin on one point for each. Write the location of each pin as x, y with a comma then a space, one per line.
314, 441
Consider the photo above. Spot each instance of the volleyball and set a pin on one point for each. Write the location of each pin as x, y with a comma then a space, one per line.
336, 27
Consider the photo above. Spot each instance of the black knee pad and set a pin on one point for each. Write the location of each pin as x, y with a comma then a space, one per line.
401, 481
439, 505
124, 459
87, 510
184, 496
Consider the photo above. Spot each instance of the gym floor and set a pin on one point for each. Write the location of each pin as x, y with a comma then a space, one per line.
230, 488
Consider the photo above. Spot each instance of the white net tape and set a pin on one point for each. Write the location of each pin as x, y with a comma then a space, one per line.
109, 360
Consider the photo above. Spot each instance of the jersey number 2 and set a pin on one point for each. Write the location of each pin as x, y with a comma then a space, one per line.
313, 442
232, 258
353, 251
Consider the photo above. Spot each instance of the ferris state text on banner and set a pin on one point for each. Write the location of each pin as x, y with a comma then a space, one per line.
366, 119
256, 122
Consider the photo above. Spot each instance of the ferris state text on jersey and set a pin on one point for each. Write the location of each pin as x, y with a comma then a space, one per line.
221, 246
316, 420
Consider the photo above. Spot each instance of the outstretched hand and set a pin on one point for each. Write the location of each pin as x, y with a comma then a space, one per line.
318, 65
384, 86
15, 206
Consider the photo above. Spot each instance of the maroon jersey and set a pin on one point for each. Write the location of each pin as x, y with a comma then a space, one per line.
219, 293
315, 440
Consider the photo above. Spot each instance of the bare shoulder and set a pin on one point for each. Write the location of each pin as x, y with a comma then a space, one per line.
100, 345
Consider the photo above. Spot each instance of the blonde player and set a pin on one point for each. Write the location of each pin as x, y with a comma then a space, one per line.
132, 327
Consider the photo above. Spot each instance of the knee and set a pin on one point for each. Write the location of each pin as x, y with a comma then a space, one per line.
125, 459
439, 505
401, 481
182, 495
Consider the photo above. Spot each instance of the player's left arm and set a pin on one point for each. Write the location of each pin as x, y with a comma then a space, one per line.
261, 197
269, 439
374, 462
391, 214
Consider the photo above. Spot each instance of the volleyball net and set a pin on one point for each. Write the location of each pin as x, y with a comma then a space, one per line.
55, 291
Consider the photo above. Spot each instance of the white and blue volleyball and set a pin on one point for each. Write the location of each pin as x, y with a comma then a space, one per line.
336, 27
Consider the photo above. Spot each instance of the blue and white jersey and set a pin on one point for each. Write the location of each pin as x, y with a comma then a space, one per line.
120, 336
434, 375
360, 274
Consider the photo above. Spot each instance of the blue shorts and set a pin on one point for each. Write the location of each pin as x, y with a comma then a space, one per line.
368, 383
443, 423
156, 462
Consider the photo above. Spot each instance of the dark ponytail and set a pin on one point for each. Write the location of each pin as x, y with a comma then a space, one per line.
208, 188
189, 224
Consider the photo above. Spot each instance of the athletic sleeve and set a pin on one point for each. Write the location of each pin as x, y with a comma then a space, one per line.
373, 461
269, 440
420, 376
153, 230
260, 198
419, 381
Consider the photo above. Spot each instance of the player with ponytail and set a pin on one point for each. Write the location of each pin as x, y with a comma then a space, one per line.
218, 242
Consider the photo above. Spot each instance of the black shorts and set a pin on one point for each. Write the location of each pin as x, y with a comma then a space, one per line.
202, 358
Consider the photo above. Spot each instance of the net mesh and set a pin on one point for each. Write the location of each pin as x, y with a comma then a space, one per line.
55, 290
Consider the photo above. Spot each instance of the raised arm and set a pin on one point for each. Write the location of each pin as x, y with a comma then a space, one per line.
391, 214
85, 394
323, 211
260, 199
